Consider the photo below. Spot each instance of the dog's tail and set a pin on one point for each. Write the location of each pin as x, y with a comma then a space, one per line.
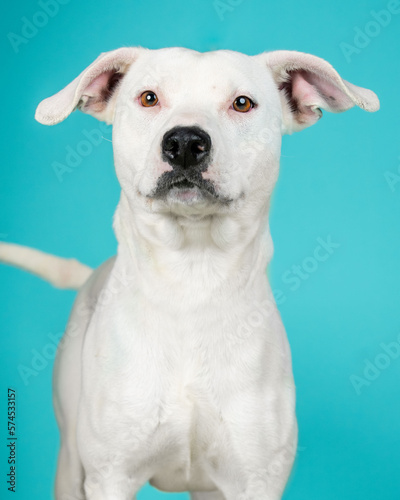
61, 273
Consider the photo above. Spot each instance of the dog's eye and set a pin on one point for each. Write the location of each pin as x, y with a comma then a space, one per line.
243, 104
149, 99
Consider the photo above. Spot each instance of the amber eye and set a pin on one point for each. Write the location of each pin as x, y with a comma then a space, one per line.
243, 104
149, 99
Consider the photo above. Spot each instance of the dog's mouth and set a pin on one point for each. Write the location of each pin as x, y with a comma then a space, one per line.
186, 185
183, 184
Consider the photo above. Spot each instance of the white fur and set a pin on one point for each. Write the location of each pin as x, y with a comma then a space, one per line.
62, 273
175, 366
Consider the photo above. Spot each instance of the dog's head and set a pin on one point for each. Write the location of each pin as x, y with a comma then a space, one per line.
200, 133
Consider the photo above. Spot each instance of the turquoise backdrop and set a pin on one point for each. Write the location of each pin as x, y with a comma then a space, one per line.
339, 182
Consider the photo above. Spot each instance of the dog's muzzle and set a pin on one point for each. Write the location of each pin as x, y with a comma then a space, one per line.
188, 151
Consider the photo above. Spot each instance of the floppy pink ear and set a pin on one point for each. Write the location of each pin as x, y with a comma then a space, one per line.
91, 91
308, 84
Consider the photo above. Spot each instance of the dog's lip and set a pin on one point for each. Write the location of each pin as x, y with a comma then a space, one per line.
183, 181
182, 184
187, 184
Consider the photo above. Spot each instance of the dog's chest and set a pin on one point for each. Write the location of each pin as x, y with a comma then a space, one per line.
189, 425
163, 395
173, 419
159, 387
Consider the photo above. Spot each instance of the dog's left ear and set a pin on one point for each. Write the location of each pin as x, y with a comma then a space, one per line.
308, 84
93, 91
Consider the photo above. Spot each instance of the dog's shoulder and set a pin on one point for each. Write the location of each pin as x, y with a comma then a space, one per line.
95, 284
90, 292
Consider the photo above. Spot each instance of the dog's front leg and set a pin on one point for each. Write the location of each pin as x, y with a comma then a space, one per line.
265, 483
101, 484
258, 464
112, 477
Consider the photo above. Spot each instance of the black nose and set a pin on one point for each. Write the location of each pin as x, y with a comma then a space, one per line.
186, 147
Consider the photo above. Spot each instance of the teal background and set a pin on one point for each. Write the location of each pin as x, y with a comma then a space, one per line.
334, 181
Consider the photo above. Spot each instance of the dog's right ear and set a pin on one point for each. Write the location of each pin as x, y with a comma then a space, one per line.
93, 91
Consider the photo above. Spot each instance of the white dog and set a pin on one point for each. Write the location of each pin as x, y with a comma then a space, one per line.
175, 366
